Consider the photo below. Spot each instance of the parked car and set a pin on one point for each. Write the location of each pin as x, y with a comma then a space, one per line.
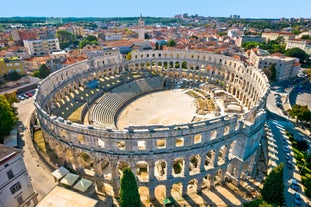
287, 156
28, 94
20, 97
285, 148
294, 184
298, 200
289, 164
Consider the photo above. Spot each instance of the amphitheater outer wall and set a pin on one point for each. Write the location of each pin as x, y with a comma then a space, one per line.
207, 152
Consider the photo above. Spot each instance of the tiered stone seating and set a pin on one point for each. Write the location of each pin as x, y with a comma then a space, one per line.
108, 105
73, 101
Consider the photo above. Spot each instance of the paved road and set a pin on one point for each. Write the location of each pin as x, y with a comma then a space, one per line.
276, 140
41, 177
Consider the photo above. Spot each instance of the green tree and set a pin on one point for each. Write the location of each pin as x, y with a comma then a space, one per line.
257, 203
88, 40
156, 46
7, 116
129, 56
298, 53
66, 39
302, 113
43, 71
129, 196
273, 71
12, 76
305, 37
273, 188
171, 43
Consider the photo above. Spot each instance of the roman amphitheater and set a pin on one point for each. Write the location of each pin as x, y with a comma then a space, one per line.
183, 121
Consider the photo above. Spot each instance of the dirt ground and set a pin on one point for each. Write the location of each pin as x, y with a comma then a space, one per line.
159, 108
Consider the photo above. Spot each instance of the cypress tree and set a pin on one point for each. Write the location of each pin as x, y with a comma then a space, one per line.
129, 196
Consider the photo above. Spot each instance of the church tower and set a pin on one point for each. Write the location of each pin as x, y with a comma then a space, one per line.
141, 28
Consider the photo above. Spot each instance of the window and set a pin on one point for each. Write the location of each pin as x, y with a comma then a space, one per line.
16, 187
10, 174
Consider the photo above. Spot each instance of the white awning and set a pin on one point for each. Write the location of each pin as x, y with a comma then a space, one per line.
60, 173
83, 185
69, 179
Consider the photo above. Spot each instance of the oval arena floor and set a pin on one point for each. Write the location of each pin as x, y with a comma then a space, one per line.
159, 108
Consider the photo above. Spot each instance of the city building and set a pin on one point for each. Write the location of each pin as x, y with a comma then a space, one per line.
141, 28
41, 47
286, 67
15, 185
274, 35
248, 38
10, 64
305, 45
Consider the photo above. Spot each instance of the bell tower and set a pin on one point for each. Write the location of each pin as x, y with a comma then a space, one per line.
141, 28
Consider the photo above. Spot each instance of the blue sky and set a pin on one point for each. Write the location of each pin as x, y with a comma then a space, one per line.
158, 8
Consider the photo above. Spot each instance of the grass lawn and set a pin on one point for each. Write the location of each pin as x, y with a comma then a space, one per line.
38, 138
301, 157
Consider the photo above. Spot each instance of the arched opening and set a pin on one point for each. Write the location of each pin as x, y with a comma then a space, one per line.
192, 186
160, 192
218, 177
176, 190
160, 170
222, 155
105, 168
178, 167
108, 189
142, 171
206, 182
194, 165
209, 160
120, 166
144, 194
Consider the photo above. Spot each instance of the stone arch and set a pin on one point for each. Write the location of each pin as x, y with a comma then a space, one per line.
121, 165
206, 182
194, 164
144, 193
209, 159
177, 189
160, 170
192, 186
218, 177
178, 167
160, 192
222, 154
142, 171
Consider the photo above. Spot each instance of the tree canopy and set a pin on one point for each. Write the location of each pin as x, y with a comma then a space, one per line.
273, 189
298, 53
66, 39
273, 46
171, 43
302, 113
88, 40
129, 196
7, 116
43, 71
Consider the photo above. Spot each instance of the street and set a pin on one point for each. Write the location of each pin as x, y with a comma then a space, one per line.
41, 177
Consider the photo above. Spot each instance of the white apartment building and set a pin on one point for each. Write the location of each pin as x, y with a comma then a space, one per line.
112, 36
41, 47
286, 67
15, 185
274, 35
305, 45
